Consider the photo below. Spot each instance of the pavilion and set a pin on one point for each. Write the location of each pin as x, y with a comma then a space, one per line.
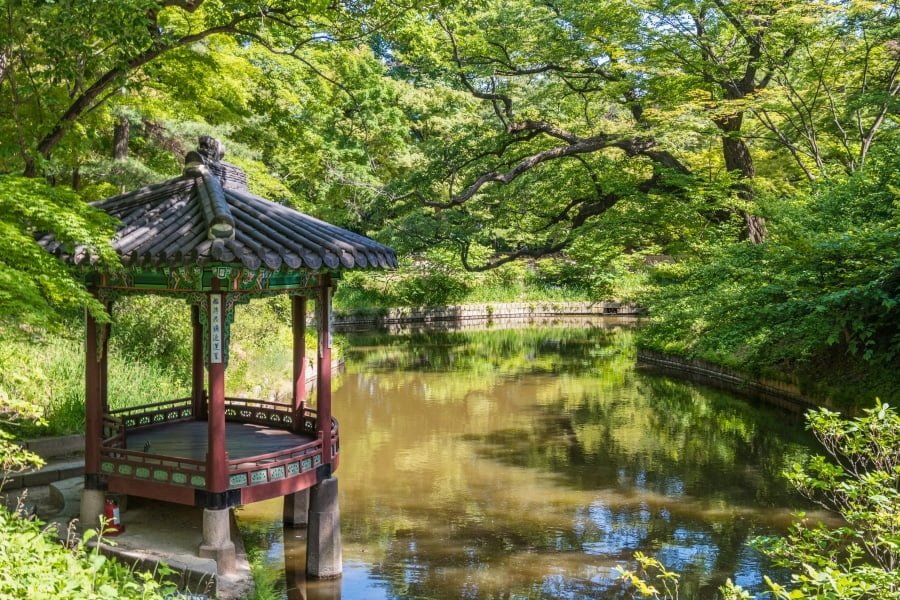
204, 238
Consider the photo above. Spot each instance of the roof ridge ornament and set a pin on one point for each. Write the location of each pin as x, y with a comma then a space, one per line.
207, 158
209, 153
212, 150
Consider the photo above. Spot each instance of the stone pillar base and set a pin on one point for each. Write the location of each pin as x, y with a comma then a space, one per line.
296, 509
217, 542
92, 502
323, 540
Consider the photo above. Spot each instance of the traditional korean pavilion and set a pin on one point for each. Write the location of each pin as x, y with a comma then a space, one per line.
204, 238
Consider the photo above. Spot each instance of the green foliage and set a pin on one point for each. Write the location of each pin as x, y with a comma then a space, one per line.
33, 564
265, 578
860, 480
33, 284
44, 379
154, 329
823, 291
652, 573
439, 281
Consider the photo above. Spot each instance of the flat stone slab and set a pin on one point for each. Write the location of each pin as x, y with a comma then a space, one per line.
171, 533
49, 473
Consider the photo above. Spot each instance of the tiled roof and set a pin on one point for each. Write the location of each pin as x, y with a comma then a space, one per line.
208, 215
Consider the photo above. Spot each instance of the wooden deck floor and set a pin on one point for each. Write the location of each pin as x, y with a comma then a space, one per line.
188, 439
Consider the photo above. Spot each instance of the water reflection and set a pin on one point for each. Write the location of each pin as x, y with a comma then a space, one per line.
531, 463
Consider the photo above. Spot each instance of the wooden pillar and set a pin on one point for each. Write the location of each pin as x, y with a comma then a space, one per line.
104, 365
198, 404
323, 371
216, 455
93, 409
298, 322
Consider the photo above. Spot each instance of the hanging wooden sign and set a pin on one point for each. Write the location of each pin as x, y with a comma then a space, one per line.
328, 306
215, 328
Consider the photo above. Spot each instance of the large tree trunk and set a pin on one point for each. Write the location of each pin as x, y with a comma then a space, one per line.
737, 158
121, 136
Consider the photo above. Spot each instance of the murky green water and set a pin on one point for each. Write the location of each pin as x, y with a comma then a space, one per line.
530, 464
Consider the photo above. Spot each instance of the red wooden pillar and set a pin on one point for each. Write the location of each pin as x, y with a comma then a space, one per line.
298, 321
216, 455
323, 371
93, 409
198, 405
104, 364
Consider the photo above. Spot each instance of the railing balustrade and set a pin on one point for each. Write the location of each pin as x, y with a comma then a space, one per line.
168, 411
152, 467
117, 460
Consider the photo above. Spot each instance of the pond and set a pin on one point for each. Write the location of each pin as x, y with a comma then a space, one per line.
530, 463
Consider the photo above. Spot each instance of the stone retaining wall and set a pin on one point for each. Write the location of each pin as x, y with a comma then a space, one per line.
52, 447
779, 393
478, 312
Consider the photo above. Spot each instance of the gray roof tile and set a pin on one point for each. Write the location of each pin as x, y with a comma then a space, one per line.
207, 214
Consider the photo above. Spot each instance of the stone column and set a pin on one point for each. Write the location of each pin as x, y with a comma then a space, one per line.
217, 542
323, 539
296, 509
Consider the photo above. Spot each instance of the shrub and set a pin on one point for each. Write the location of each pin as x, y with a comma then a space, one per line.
34, 565
860, 480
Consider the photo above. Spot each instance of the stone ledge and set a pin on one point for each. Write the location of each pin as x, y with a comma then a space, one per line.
46, 475
482, 312
51, 447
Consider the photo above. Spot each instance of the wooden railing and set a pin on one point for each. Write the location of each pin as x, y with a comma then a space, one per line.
113, 432
153, 467
153, 414
117, 460
260, 412
283, 464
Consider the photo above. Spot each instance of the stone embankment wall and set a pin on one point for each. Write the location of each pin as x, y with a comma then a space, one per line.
443, 315
779, 393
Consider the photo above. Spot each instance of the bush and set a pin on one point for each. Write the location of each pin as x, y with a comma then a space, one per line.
34, 565
860, 480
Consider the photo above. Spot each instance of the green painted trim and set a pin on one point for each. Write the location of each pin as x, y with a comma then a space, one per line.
171, 280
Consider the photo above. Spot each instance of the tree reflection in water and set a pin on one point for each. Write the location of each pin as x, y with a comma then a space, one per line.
530, 463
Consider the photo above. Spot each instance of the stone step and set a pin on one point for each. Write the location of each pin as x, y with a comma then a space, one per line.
49, 473
66, 494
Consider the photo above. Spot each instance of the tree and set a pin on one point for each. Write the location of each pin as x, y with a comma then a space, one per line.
839, 93
62, 61
545, 134
104, 96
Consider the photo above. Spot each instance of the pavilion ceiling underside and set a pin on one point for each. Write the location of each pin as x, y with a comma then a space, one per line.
194, 220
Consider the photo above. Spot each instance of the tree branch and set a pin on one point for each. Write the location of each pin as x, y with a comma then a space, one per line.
84, 101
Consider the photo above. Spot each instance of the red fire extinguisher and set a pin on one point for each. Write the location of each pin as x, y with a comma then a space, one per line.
113, 522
